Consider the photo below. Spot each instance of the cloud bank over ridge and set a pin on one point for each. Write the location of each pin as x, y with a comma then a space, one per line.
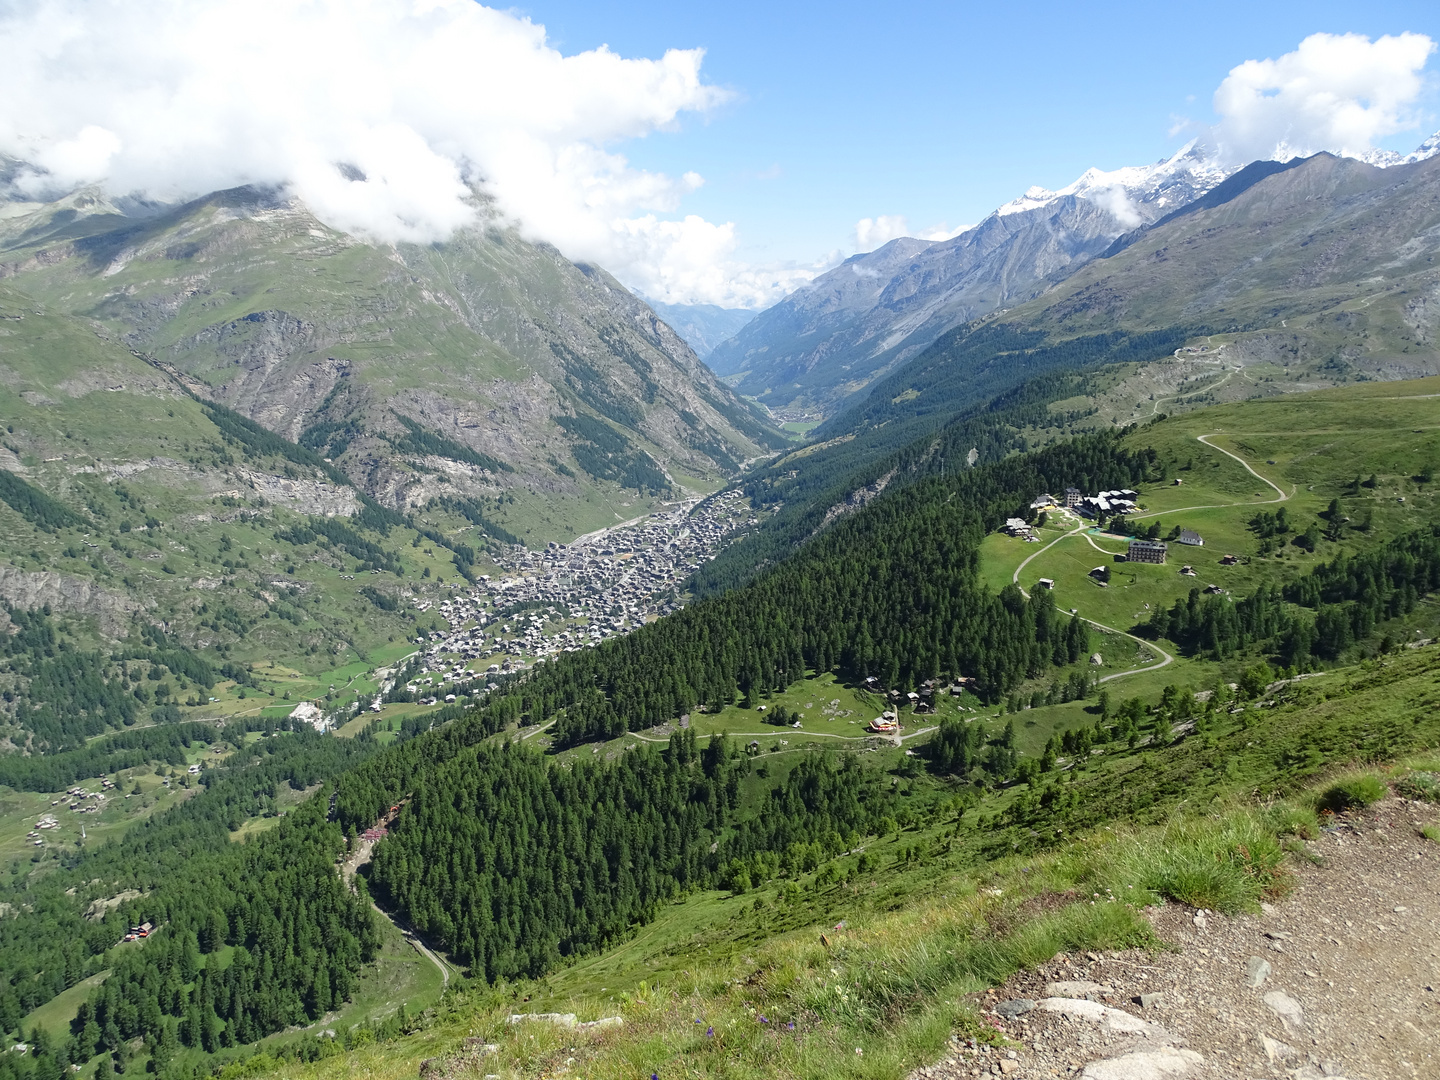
379, 114
1337, 92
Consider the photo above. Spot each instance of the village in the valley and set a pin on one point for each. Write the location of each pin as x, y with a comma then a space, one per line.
561, 598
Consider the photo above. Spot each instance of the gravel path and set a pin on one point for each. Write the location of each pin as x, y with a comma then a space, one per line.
1340, 979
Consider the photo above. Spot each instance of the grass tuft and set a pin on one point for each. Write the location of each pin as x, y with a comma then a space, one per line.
1354, 793
1226, 864
1420, 785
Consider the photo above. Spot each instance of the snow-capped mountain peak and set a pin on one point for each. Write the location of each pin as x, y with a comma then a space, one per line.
1137, 193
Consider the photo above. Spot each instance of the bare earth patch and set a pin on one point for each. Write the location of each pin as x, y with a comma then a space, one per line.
1340, 979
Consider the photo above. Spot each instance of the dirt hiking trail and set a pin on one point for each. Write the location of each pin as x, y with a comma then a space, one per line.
1341, 978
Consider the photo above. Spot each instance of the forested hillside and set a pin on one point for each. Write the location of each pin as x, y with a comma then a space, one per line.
518, 860
249, 938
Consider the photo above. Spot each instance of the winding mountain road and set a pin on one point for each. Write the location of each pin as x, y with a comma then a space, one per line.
1082, 530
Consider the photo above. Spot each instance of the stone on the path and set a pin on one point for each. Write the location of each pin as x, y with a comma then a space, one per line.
1076, 988
1014, 1008
1287, 1008
1008, 1065
1276, 1051
1158, 1064
1152, 1001
1116, 1020
1257, 971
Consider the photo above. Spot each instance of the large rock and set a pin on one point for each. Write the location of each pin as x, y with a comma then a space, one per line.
1158, 1064
1113, 1020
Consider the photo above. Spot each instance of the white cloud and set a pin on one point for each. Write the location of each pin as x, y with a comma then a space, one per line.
379, 114
1117, 201
943, 232
872, 233
1339, 92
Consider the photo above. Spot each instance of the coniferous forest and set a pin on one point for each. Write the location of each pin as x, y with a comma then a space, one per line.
514, 863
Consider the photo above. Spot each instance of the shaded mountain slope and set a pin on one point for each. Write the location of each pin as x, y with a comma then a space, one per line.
875, 311
351, 348
703, 326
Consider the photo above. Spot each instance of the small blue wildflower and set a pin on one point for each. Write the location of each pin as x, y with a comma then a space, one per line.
763, 1020
710, 1033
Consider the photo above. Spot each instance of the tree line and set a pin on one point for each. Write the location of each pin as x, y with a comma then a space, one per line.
1349, 596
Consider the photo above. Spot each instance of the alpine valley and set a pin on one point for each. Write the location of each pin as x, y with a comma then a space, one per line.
416, 661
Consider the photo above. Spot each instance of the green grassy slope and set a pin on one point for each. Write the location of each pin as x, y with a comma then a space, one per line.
173, 523
950, 836
959, 904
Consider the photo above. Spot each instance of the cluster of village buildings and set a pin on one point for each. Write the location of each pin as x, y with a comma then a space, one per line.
562, 598
1118, 501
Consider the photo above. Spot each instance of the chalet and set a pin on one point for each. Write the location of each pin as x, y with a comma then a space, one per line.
1100, 574
1017, 527
885, 724
1043, 502
1229, 560
1147, 551
1187, 571
1047, 583
1214, 590
1191, 539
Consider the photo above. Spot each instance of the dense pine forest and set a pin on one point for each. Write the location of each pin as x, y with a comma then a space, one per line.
1349, 597
801, 498
278, 936
515, 862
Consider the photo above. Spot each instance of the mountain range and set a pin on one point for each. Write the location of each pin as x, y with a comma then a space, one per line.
824, 344
486, 367
702, 326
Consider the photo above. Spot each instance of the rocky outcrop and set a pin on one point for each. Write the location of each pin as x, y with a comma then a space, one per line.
30, 590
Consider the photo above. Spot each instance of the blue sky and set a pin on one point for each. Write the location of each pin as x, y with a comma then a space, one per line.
729, 179
939, 112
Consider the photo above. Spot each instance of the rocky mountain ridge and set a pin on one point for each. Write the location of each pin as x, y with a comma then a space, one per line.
485, 366
875, 311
